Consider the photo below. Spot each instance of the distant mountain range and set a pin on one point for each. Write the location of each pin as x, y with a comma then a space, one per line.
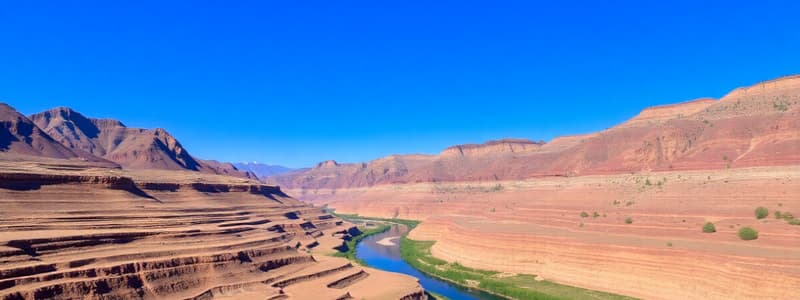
752, 126
62, 133
263, 170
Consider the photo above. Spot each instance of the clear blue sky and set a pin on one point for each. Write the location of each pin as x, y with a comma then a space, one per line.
297, 82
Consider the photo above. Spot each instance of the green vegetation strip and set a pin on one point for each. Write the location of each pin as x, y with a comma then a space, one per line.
353, 242
517, 286
356, 218
435, 296
418, 254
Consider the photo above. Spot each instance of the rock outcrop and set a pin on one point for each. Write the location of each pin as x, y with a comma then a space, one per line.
130, 147
73, 232
19, 136
754, 126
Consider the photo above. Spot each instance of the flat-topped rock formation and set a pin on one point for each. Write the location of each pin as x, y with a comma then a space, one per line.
74, 231
493, 147
754, 126
664, 113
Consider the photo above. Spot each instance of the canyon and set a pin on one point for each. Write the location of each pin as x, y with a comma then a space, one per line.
91, 209
620, 210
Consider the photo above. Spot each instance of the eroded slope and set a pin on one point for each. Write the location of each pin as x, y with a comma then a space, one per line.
69, 231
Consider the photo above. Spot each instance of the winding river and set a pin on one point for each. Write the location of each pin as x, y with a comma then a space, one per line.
382, 251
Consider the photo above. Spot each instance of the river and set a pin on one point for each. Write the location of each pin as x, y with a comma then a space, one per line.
386, 256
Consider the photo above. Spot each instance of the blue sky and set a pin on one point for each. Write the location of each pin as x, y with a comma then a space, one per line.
297, 82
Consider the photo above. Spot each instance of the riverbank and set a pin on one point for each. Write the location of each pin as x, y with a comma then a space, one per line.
353, 242
514, 286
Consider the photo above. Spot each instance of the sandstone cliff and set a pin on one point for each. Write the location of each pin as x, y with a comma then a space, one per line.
754, 126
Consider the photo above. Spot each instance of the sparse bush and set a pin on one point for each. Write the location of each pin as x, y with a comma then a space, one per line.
580, 225
647, 182
497, 188
584, 214
748, 233
794, 222
628, 220
780, 106
709, 227
669, 244
777, 214
595, 215
761, 212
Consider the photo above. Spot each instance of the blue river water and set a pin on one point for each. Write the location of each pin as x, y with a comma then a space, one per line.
387, 258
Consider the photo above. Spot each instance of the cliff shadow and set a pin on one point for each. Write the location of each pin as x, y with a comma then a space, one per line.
20, 186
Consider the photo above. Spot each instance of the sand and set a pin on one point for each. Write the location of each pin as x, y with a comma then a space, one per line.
387, 241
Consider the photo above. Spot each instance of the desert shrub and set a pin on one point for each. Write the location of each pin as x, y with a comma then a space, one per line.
669, 244
584, 214
761, 212
748, 233
780, 106
794, 222
497, 188
595, 215
709, 227
777, 214
628, 220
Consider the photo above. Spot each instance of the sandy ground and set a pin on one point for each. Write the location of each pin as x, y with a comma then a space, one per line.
535, 226
388, 241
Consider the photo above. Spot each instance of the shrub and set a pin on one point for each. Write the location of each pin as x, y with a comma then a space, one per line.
709, 227
584, 214
794, 222
748, 233
761, 212
595, 215
777, 214
628, 220
669, 244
